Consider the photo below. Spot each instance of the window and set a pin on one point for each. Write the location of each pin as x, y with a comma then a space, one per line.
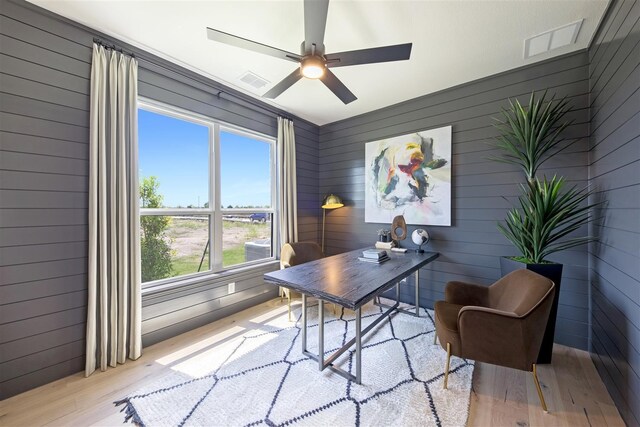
207, 192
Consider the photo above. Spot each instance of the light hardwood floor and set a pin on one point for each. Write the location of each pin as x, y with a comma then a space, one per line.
575, 394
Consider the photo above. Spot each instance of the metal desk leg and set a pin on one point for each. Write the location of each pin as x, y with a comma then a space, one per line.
417, 293
320, 334
304, 323
358, 347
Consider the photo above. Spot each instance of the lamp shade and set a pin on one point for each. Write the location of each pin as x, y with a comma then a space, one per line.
332, 202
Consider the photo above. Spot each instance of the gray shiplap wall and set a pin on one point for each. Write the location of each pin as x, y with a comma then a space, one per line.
44, 130
614, 171
470, 249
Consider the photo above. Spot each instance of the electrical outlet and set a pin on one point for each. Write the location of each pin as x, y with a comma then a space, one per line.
232, 287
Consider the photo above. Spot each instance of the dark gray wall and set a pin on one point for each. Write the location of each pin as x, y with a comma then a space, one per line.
470, 249
44, 130
614, 171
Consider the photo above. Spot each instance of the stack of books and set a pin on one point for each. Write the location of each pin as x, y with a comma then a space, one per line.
385, 245
376, 256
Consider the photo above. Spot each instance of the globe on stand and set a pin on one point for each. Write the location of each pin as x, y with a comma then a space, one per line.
420, 237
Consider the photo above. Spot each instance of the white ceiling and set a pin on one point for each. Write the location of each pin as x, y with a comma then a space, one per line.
453, 41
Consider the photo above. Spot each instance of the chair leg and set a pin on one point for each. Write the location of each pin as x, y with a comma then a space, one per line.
289, 304
446, 369
540, 395
435, 338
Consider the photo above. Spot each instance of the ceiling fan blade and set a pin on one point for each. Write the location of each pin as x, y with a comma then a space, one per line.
315, 22
398, 52
230, 39
284, 84
337, 87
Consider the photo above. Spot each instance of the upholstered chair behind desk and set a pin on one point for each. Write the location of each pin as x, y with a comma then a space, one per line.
295, 254
502, 324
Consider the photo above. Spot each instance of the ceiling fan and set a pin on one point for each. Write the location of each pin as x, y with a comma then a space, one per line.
314, 63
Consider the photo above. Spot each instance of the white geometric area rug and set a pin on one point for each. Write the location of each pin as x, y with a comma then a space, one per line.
261, 378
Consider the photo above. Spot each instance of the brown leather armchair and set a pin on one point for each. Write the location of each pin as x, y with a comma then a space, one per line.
502, 324
296, 254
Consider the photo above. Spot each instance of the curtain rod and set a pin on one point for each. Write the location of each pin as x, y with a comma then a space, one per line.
113, 47
248, 101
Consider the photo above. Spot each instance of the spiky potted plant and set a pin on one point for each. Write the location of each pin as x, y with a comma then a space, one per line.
547, 213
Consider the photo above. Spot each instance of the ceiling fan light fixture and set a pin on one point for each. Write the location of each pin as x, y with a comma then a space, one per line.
312, 67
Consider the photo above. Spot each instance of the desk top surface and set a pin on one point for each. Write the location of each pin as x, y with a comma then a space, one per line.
347, 281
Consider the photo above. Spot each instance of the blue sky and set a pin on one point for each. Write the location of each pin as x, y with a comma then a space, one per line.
177, 153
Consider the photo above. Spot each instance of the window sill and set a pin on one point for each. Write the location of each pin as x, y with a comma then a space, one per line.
218, 276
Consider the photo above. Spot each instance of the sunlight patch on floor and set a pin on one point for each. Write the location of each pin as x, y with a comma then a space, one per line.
200, 345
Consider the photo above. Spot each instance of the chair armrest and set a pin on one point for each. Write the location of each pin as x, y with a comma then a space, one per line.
494, 336
466, 294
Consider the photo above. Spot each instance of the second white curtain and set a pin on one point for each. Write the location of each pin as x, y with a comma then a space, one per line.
287, 181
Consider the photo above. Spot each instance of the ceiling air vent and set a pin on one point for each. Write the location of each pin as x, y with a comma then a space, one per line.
552, 39
253, 80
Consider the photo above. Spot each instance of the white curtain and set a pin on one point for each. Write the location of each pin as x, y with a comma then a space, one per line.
115, 305
287, 181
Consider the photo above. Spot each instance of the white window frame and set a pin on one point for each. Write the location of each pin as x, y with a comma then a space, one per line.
215, 211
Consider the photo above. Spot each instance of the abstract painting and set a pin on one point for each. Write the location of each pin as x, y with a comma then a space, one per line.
409, 175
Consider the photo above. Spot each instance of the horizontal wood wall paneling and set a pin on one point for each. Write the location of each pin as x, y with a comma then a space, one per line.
17, 255
23, 143
42, 288
621, 219
45, 65
487, 85
603, 95
45, 375
244, 280
195, 322
47, 110
621, 329
618, 258
16, 123
615, 140
18, 236
614, 172
27, 309
26, 32
624, 282
615, 15
51, 356
43, 92
42, 270
628, 243
44, 56
37, 343
43, 199
28, 162
202, 314
18, 67
623, 113
465, 118
42, 324
622, 25
617, 342
43, 217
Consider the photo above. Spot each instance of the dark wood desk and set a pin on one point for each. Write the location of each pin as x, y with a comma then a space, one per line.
346, 281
